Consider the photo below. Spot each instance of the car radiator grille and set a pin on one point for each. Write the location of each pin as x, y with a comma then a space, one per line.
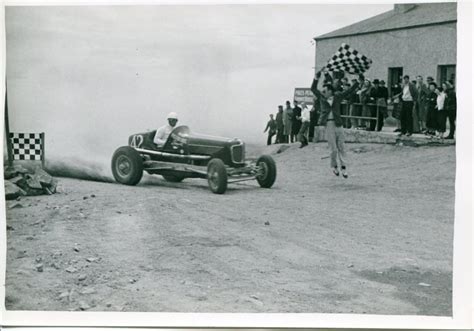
238, 153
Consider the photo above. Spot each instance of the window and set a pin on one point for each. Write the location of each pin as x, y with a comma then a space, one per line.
447, 72
395, 76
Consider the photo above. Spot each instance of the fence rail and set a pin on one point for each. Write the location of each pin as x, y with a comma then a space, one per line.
346, 110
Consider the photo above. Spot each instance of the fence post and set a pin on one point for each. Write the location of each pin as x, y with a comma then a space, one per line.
43, 155
377, 121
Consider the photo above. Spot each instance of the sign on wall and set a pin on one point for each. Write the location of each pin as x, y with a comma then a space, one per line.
303, 94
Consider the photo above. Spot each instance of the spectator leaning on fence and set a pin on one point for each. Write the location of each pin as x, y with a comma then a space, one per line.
409, 96
279, 124
354, 109
421, 102
305, 122
395, 99
451, 109
331, 118
431, 119
364, 96
378, 96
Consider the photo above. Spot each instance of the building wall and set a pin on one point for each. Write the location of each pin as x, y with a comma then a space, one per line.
419, 50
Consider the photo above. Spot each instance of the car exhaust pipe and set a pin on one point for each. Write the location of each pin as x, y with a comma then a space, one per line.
192, 157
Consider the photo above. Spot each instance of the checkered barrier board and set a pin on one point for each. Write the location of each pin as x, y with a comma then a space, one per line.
349, 60
27, 146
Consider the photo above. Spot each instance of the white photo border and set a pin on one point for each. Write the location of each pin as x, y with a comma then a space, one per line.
463, 230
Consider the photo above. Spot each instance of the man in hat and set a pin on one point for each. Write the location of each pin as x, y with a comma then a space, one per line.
280, 126
164, 132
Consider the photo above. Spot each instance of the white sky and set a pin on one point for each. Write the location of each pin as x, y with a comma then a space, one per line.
91, 76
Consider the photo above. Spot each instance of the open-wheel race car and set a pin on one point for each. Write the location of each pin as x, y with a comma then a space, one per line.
189, 155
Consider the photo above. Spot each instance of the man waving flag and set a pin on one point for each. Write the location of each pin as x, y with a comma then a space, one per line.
349, 60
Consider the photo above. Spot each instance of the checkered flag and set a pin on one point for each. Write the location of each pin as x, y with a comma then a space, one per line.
27, 146
349, 60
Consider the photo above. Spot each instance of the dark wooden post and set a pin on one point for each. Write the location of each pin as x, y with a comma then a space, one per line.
7, 131
43, 155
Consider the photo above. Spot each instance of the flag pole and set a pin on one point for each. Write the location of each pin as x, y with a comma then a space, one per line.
7, 130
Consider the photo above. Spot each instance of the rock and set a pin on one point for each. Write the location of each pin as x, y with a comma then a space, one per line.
350, 266
76, 249
10, 228
12, 191
54, 265
71, 270
132, 281
21, 254
14, 171
267, 223
38, 259
119, 212
39, 267
85, 198
16, 205
18, 179
108, 305
64, 295
33, 182
42, 176
92, 259
89, 291
424, 284
82, 278
282, 148
83, 305
92, 195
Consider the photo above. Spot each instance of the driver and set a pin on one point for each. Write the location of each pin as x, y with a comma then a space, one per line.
163, 133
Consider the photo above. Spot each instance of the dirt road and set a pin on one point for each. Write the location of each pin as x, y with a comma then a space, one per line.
379, 242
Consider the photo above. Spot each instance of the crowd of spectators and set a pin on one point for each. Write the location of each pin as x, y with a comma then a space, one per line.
416, 106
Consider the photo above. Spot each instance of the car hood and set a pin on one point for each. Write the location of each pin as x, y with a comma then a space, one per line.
191, 138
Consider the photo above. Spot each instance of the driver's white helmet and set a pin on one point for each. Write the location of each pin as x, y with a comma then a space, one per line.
172, 115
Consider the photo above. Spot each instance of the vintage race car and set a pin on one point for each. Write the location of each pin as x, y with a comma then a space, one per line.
189, 155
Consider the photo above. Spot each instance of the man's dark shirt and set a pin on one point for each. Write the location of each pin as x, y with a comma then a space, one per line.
271, 125
279, 120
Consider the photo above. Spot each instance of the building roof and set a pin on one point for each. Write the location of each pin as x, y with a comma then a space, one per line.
402, 16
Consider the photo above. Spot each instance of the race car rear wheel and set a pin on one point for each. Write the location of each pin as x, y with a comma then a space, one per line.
127, 166
217, 176
173, 178
267, 171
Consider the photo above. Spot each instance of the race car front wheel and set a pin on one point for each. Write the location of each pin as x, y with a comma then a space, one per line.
267, 171
127, 166
217, 176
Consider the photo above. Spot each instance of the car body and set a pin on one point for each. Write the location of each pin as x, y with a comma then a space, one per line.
191, 155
